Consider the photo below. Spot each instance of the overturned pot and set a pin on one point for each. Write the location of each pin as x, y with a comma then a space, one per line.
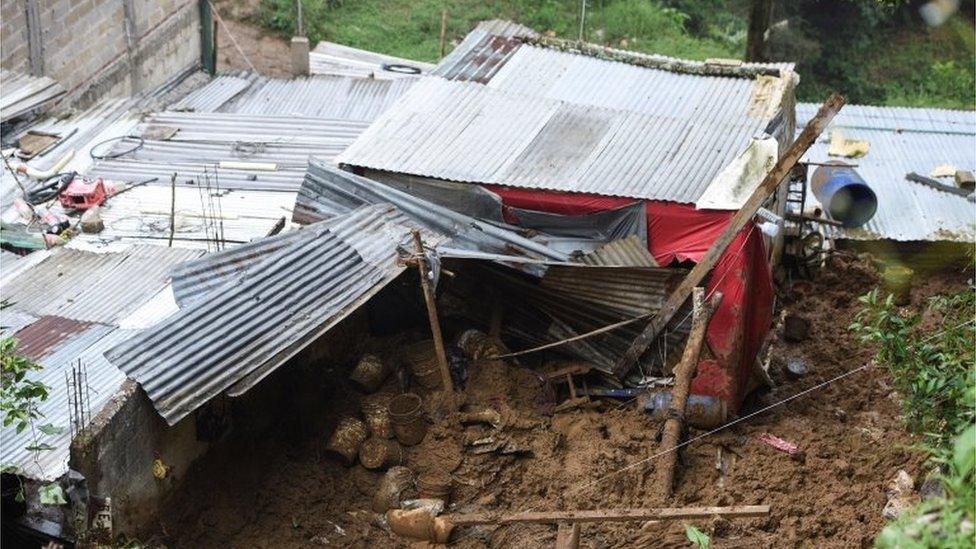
407, 417
376, 410
392, 489
435, 486
370, 373
380, 453
421, 357
346, 439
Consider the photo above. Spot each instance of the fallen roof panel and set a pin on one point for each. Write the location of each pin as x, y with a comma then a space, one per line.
23, 93
248, 327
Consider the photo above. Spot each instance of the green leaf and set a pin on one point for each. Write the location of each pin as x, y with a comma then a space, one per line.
52, 494
51, 430
8, 468
697, 537
964, 454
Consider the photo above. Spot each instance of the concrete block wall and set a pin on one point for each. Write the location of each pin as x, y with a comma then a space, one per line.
14, 54
96, 48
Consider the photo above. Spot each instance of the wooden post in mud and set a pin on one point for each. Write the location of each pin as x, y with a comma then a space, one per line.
443, 33
435, 325
684, 371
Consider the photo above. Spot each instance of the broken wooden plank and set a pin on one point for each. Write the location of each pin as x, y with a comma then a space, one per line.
617, 515
568, 536
928, 181
697, 274
684, 371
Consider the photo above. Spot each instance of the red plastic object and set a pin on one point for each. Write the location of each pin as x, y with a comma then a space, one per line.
779, 444
82, 194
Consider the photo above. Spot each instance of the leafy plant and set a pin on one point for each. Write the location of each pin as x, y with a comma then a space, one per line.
697, 537
18, 394
930, 357
19, 400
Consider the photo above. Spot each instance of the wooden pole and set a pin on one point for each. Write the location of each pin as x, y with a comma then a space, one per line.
443, 32
684, 371
435, 325
620, 515
782, 168
172, 209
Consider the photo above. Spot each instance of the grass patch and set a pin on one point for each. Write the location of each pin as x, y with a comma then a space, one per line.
873, 52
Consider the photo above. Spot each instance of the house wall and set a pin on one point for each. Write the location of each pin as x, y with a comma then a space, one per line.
96, 48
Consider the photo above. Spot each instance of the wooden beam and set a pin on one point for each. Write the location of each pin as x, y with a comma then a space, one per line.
684, 371
435, 325
697, 274
568, 536
619, 515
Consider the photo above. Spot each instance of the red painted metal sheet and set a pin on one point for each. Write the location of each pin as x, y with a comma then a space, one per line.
42, 337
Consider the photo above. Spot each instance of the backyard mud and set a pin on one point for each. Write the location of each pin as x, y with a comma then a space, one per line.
278, 492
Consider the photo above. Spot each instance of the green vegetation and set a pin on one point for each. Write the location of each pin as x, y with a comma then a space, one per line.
874, 51
930, 357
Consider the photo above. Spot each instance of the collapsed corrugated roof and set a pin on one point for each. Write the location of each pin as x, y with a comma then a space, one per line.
904, 140
467, 132
248, 327
24, 93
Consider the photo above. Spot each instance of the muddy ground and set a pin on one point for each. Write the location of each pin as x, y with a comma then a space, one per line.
241, 44
286, 492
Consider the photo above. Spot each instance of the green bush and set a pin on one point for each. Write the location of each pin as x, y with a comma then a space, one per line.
931, 357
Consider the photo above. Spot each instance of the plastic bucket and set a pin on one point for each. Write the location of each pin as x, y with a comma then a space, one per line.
407, 417
346, 439
380, 453
844, 194
421, 357
376, 410
391, 490
369, 374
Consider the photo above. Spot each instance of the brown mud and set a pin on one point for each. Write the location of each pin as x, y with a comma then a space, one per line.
273, 493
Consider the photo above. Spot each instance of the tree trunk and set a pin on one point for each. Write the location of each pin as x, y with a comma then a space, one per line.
760, 17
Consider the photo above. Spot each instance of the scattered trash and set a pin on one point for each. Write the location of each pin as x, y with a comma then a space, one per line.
943, 170
795, 328
783, 446
498, 445
83, 193
965, 180
848, 148
797, 366
432, 506
347, 439
407, 418
901, 495
91, 221
35, 142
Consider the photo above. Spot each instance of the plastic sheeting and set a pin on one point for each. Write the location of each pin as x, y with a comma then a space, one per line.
678, 233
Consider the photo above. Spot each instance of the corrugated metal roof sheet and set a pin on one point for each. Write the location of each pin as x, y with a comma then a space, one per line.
467, 132
337, 97
250, 326
215, 94
337, 59
102, 383
40, 337
904, 140
204, 139
94, 287
23, 93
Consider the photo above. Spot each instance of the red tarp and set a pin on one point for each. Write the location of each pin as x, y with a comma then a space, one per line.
679, 232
